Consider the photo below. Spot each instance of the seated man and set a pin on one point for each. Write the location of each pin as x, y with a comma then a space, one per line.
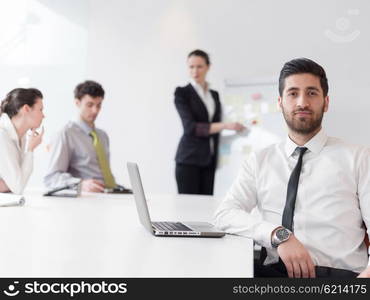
313, 191
80, 151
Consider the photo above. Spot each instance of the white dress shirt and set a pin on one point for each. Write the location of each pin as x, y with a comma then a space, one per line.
206, 97
208, 101
15, 163
333, 200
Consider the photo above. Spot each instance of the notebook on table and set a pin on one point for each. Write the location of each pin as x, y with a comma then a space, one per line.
9, 199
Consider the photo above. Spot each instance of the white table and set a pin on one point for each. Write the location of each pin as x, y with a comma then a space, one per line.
99, 235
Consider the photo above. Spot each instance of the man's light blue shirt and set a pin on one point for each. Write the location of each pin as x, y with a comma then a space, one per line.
73, 156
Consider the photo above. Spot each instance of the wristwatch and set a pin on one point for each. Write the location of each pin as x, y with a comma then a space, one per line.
280, 235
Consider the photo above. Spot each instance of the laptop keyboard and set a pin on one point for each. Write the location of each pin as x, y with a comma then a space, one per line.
171, 226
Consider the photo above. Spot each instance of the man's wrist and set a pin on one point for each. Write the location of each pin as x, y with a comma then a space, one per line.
273, 234
279, 236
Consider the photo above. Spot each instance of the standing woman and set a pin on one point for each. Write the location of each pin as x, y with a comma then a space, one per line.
199, 108
21, 110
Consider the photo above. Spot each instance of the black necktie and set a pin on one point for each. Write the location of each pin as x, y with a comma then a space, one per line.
292, 192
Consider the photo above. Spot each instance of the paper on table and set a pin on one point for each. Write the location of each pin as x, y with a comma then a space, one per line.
8, 199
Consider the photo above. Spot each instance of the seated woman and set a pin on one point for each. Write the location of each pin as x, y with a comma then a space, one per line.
20, 111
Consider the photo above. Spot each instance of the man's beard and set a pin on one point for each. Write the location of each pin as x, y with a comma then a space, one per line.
303, 125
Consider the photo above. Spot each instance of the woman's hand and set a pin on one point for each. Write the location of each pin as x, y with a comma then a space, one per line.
3, 187
234, 126
218, 127
35, 139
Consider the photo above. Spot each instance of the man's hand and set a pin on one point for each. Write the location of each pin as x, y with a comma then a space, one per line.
3, 187
365, 273
296, 258
92, 185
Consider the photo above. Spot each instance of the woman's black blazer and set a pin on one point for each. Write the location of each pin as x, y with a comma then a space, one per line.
194, 147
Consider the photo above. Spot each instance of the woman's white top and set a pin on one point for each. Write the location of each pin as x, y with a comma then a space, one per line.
15, 163
206, 97
208, 101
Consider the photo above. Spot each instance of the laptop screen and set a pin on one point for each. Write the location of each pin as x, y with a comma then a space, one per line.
137, 188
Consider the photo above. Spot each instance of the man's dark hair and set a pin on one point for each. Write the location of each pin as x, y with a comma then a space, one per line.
17, 98
202, 54
90, 88
300, 66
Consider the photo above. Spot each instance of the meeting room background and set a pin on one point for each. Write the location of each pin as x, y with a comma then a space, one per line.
137, 50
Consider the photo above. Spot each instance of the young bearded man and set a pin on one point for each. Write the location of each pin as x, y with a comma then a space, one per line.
313, 191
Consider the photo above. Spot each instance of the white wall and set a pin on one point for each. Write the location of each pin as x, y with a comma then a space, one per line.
43, 44
137, 50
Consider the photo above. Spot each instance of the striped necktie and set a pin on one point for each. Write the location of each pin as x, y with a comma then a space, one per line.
103, 162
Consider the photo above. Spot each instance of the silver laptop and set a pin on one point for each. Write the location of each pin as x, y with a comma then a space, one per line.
179, 229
